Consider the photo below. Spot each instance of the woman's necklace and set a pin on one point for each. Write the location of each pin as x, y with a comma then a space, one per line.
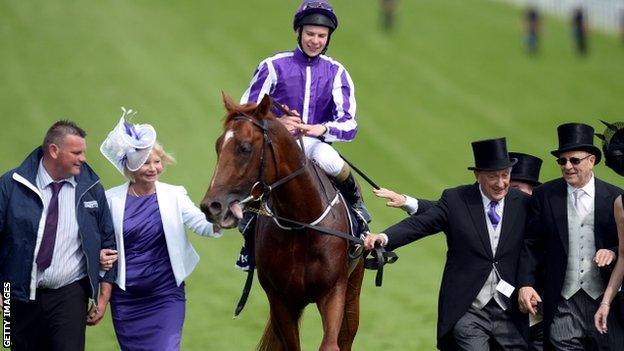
133, 192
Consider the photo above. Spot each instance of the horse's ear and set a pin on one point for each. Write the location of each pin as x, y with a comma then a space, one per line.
264, 106
227, 101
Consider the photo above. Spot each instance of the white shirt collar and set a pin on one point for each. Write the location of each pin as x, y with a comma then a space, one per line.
486, 201
589, 188
44, 178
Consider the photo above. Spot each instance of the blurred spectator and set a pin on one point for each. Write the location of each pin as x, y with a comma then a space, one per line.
388, 9
579, 30
622, 24
532, 23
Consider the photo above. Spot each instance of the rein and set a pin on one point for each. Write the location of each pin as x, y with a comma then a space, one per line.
268, 188
380, 255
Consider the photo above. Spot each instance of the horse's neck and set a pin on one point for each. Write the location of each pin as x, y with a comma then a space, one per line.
302, 198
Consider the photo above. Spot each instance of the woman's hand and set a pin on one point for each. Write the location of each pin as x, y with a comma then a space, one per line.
107, 258
600, 318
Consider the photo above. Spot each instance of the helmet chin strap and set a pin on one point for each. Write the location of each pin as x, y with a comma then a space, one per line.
301, 45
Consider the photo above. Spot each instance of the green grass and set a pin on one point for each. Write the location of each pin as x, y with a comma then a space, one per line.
451, 73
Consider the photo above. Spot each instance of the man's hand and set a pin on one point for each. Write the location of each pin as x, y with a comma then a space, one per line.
528, 299
314, 130
395, 200
107, 258
371, 239
604, 257
96, 312
291, 123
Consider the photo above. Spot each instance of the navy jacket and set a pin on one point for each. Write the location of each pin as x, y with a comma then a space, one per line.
21, 208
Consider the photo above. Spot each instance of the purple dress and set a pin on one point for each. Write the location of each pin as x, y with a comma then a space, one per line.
149, 314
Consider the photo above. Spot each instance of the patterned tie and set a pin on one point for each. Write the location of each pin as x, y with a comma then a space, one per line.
46, 249
494, 217
578, 203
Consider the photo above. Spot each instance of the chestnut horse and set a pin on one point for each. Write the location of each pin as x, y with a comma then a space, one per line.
296, 266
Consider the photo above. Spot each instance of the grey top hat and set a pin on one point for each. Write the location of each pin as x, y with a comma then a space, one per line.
527, 169
491, 155
576, 136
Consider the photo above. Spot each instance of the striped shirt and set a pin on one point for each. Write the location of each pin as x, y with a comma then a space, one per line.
68, 260
319, 88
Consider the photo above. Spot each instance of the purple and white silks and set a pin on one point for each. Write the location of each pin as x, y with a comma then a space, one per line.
320, 89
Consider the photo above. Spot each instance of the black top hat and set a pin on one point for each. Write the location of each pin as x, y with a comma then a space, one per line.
613, 146
527, 169
491, 155
576, 136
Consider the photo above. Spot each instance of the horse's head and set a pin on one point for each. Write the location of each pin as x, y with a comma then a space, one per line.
243, 153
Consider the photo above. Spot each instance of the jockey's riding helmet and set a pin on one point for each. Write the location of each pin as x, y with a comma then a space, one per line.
317, 13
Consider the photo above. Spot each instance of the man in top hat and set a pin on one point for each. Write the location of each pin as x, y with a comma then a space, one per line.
571, 240
525, 173
524, 177
484, 225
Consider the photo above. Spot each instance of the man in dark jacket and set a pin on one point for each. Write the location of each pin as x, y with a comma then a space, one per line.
572, 242
54, 220
484, 226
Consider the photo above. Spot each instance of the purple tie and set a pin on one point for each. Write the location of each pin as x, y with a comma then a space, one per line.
46, 249
494, 217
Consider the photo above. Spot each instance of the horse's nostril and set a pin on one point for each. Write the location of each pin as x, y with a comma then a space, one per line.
215, 208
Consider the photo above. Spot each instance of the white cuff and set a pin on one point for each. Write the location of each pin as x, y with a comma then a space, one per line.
411, 205
384, 238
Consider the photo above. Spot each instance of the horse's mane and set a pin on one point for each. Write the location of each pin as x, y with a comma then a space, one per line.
248, 109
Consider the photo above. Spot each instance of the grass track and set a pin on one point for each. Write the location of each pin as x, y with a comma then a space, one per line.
452, 72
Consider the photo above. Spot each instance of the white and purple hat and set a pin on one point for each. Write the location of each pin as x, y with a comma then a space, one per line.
128, 145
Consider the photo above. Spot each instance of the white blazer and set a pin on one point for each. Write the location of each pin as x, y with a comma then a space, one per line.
176, 211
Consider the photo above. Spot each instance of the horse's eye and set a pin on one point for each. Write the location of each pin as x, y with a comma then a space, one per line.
244, 148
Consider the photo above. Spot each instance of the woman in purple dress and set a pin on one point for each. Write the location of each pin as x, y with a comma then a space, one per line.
154, 254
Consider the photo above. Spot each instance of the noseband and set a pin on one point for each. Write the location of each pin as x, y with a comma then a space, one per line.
381, 256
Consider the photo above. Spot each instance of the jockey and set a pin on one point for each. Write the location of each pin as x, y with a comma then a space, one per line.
319, 92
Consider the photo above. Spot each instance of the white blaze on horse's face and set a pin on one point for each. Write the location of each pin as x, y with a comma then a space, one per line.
228, 135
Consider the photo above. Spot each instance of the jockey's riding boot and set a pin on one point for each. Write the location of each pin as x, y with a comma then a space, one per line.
246, 226
351, 192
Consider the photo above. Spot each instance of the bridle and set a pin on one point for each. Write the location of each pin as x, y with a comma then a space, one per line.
381, 257
266, 188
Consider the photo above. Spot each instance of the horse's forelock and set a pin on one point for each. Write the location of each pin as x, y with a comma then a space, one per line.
248, 110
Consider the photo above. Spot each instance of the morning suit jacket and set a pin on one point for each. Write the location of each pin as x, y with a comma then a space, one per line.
546, 242
461, 216
176, 212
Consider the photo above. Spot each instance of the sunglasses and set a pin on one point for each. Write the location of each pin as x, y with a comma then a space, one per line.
573, 160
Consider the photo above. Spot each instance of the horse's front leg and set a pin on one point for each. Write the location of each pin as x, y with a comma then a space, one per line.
351, 318
331, 307
284, 323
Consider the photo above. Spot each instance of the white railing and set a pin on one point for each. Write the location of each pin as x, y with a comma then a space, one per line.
606, 15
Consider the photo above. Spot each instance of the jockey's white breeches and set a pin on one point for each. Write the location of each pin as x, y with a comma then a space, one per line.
324, 155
